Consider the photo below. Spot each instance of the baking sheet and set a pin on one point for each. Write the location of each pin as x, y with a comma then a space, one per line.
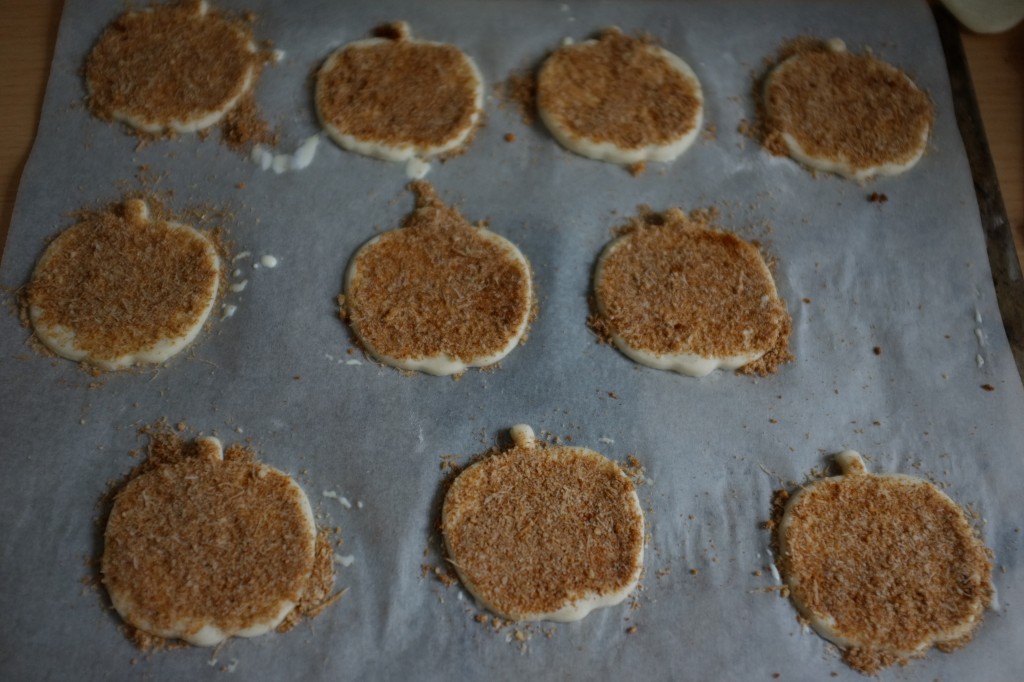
910, 277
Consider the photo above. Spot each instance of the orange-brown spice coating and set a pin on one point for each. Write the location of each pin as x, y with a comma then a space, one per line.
618, 90
168, 63
892, 560
190, 537
436, 286
672, 286
520, 88
122, 283
317, 596
398, 92
244, 125
533, 530
843, 106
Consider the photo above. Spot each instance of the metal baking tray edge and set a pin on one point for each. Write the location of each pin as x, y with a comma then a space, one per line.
1002, 254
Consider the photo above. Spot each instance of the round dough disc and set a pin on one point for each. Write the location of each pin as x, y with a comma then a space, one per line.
174, 67
208, 547
544, 533
620, 99
673, 294
121, 288
849, 114
396, 98
883, 566
438, 295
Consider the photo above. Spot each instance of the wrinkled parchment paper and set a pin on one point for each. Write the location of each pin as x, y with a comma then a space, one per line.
909, 276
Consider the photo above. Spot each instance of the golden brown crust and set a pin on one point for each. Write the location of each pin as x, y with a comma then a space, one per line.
535, 529
674, 285
398, 92
891, 560
619, 90
845, 107
437, 286
169, 63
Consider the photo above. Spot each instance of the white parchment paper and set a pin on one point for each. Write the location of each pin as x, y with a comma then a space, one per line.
910, 277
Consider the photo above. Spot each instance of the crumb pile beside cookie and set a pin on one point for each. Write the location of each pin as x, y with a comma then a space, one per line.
204, 544
674, 293
123, 287
620, 99
176, 67
885, 566
543, 532
438, 295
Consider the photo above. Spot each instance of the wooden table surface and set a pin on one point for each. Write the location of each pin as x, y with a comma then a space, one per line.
28, 29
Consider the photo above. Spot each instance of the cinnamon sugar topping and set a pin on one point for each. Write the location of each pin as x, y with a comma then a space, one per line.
520, 89
618, 90
381, 95
672, 285
203, 545
884, 566
121, 287
850, 110
244, 125
179, 66
438, 288
538, 532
